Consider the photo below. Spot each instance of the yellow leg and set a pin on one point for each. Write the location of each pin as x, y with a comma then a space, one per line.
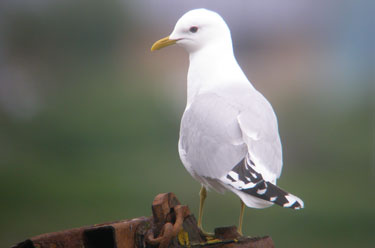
241, 217
203, 195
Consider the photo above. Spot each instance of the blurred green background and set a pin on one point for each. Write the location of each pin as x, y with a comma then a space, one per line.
89, 117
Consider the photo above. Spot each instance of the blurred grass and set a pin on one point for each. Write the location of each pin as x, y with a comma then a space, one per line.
103, 151
105, 143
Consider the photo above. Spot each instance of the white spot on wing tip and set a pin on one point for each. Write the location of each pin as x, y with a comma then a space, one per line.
291, 200
301, 204
261, 191
248, 185
234, 175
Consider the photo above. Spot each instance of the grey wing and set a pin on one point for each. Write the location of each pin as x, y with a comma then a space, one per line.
254, 178
259, 127
211, 141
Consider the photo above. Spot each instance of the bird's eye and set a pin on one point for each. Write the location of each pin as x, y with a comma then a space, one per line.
193, 29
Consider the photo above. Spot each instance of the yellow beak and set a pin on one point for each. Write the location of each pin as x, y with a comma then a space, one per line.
162, 43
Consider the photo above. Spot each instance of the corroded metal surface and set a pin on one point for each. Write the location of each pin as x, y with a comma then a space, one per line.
172, 225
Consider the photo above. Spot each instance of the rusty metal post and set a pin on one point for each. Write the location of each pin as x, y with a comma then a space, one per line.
172, 225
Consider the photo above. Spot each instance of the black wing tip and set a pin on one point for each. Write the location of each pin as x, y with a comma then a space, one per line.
251, 182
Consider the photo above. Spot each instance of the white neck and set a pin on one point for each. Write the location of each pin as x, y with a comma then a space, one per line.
213, 68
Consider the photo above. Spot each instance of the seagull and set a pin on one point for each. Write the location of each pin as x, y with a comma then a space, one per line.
229, 138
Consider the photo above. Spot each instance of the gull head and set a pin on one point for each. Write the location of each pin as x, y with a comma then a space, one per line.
196, 30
